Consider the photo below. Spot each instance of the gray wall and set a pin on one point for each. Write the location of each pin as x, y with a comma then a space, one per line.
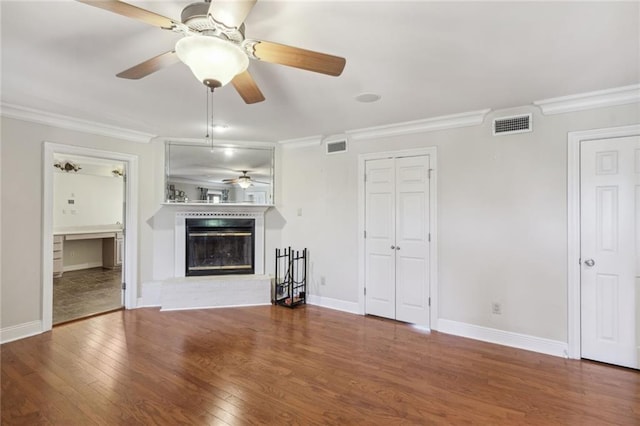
502, 217
22, 192
501, 211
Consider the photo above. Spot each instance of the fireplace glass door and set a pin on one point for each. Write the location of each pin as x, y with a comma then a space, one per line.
220, 246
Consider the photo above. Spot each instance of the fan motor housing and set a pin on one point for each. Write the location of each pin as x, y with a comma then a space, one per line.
195, 16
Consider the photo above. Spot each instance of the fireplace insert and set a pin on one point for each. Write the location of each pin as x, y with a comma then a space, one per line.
220, 246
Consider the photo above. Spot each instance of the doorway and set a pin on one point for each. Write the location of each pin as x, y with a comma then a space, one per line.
120, 247
398, 247
604, 231
88, 234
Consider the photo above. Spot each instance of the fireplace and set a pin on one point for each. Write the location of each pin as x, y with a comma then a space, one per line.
219, 246
220, 212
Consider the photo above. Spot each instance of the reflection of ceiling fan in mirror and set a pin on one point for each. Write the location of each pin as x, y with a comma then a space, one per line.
214, 46
243, 180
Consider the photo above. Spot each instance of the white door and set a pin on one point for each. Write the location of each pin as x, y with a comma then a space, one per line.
380, 266
397, 238
412, 239
610, 237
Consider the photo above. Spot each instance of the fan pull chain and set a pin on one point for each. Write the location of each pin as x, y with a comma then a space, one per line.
211, 108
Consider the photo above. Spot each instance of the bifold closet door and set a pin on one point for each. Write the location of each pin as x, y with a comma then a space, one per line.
397, 238
412, 239
380, 254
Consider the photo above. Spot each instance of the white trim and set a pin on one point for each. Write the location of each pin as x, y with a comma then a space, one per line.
454, 121
81, 266
71, 123
336, 304
590, 100
131, 223
573, 225
432, 152
301, 142
151, 295
20, 331
217, 142
506, 338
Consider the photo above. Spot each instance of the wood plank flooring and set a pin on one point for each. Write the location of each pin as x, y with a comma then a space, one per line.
273, 365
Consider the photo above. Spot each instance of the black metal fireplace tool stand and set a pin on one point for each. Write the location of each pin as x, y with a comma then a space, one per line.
291, 277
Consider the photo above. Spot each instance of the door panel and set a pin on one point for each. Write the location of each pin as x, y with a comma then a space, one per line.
412, 239
610, 180
379, 224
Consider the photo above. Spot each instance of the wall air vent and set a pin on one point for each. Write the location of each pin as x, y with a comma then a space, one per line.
512, 124
337, 146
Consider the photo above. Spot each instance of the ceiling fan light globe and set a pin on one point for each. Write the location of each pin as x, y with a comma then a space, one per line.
211, 58
244, 182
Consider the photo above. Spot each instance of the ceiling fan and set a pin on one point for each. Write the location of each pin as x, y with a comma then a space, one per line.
215, 48
243, 180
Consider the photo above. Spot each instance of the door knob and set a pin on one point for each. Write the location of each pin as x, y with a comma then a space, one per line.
589, 262
393, 247
397, 247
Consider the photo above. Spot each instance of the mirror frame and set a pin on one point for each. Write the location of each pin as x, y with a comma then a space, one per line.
238, 148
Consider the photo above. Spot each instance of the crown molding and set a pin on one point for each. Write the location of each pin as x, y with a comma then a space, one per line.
301, 142
590, 100
473, 118
70, 123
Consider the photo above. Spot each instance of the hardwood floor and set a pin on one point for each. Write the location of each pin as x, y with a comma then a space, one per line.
273, 365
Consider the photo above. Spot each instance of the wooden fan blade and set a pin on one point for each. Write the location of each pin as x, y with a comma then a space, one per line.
299, 58
131, 11
247, 88
261, 181
150, 66
230, 180
231, 13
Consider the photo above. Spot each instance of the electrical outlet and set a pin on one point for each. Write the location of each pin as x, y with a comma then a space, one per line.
323, 280
72, 253
496, 308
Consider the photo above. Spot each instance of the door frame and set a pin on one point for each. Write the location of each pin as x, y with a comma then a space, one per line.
130, 220
433, 221
574, 139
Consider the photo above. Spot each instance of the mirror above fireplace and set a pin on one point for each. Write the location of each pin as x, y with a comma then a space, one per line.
218, 174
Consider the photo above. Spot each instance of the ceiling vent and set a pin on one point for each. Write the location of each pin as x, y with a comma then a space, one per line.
337, 146
512, 124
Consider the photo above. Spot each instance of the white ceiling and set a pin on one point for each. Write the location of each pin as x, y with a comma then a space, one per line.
426, 59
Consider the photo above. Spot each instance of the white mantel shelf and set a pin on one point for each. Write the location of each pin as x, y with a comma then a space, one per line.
245, 207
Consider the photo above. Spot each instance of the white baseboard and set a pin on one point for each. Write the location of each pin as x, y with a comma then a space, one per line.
506, 338
337, 304
150, 295
20, 331
80, 266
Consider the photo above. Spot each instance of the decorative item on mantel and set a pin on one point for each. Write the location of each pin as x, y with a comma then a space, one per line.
291, 278
67, 166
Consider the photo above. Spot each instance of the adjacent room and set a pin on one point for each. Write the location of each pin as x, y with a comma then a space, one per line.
320, 212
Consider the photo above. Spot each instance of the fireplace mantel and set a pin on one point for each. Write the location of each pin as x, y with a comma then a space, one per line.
225, 208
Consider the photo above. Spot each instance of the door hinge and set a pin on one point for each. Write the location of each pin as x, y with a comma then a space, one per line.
429, 303
429, 173
429, 238
365, 234
365, 291
365, 177
124, 286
